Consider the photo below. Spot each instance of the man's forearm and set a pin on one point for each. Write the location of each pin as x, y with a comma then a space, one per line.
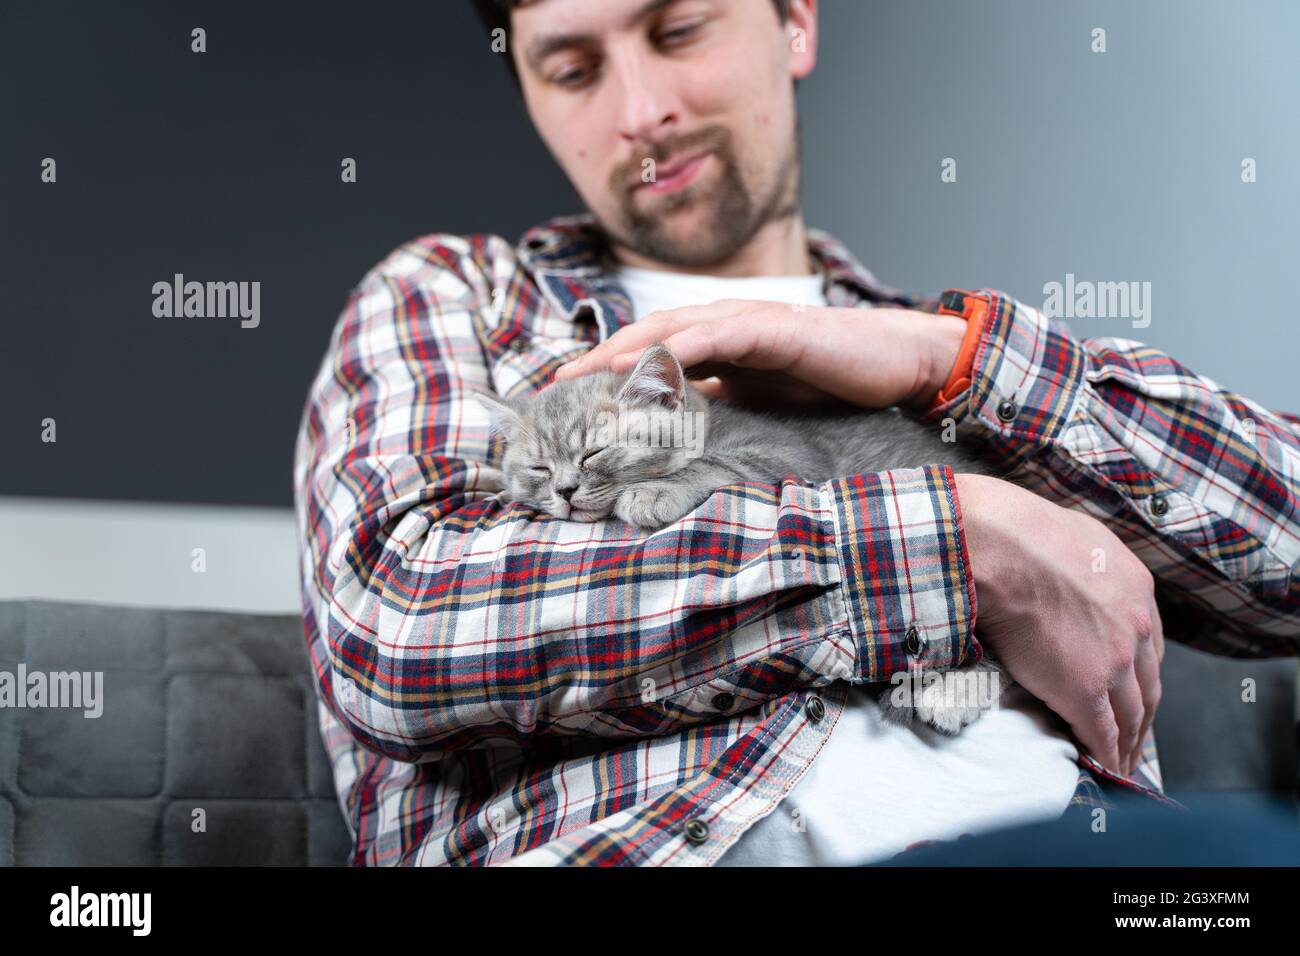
1199, 482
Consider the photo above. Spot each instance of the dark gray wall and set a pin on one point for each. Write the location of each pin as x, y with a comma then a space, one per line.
225, 166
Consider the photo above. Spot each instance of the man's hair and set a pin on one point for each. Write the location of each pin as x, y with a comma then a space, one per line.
495, 14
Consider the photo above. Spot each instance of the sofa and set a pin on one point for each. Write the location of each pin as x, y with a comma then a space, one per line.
207, 752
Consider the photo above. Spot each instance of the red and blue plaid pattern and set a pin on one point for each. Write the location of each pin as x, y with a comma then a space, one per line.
497, 685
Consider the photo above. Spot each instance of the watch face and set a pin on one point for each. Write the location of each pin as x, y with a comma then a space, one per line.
953, 301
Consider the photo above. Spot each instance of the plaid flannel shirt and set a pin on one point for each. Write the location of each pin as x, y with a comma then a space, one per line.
499, 685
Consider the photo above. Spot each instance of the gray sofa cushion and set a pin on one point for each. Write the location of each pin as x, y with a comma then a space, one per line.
202, 710
1210, 739
215, 711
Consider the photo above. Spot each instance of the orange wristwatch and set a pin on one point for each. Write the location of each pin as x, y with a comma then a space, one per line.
974, 309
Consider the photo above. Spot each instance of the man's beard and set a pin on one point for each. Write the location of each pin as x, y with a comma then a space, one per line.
733, 215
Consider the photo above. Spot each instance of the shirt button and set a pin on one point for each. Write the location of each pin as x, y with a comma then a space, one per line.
519, 344
697, 831
816, 709
913, 640
1007, 410
723, 702
1159, 506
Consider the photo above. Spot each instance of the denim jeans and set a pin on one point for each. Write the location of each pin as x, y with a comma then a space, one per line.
1216, 830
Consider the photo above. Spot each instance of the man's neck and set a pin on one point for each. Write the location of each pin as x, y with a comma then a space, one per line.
778, 248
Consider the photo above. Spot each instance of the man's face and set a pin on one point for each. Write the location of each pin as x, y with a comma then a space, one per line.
695, 96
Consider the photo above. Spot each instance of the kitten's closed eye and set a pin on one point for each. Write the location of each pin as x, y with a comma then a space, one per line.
595, 458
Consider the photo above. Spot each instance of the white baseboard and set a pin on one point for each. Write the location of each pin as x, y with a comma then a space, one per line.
145, 554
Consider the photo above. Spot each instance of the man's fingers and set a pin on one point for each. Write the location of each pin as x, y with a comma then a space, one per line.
1147, 665
724, 341
713, 387
1097, 731
653, 327
1126, 701
1148, 677
1157, 634
631, 337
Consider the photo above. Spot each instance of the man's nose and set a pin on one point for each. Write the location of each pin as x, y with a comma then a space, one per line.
646, 112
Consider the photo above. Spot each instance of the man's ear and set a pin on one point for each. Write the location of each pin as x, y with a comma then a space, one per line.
658, 379
504, 418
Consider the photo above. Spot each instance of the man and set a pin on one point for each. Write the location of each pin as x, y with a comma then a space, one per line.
498, 685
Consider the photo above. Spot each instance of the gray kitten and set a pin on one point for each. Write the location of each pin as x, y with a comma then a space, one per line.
646, 448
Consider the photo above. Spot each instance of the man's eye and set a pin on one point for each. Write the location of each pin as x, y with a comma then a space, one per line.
678, 34
574, 77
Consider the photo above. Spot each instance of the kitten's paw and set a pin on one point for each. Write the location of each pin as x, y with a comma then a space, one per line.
950, 700
653, 504
946, 719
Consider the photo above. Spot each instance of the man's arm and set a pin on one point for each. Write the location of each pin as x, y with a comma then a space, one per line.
1201, 483
447, 619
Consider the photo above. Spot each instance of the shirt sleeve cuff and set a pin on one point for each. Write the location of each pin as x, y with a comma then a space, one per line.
906, 582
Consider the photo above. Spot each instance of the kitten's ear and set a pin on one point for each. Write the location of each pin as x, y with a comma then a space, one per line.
658, 379
505, 419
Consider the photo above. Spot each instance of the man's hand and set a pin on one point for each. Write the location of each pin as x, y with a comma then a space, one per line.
869, 357
1069, 610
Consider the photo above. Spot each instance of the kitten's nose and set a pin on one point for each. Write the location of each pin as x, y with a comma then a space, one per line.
566, 492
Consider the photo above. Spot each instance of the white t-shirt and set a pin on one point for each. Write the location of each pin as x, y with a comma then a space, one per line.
877, 786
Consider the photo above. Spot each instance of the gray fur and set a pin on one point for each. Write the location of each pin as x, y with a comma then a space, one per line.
651, 485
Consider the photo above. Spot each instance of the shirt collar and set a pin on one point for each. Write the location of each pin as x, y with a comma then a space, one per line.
569, 257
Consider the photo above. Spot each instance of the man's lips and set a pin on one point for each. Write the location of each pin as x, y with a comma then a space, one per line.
674, 176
